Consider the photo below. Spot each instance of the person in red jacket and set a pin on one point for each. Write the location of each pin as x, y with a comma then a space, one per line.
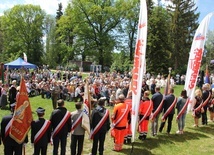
145, 111
128, 135
120, 118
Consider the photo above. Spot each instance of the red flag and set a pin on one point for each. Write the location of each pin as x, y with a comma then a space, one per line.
22, 117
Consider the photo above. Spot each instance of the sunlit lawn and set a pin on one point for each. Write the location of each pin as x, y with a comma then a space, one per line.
195, 141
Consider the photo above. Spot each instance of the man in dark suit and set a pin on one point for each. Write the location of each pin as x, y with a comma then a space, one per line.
99, 120
157, 97
11, 147
169, 103
40, 133
206, 95
61, 126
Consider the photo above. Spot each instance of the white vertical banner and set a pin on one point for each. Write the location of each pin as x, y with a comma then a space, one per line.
139, 64
86, 109
195, 57
25, 57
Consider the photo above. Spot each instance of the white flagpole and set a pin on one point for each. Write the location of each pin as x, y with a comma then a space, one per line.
139, 63
195, 57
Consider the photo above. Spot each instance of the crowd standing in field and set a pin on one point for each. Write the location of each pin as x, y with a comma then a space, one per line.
106, 89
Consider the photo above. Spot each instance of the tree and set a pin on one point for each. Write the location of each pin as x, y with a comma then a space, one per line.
184, 22
95, 22
158, 55
23, 32
59, 12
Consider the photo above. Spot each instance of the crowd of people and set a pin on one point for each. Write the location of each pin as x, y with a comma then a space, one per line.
106, 89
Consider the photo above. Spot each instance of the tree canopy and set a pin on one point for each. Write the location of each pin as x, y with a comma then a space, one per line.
101, 32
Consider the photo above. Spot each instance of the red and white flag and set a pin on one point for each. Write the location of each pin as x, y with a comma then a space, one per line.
195, 57
139, 63
22, 117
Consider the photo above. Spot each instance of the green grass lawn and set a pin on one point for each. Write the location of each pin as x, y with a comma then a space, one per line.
195, 141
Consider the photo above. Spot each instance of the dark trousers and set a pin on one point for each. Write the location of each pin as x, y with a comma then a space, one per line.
62, 140
54, 101
13, 150
169, 118
77, 139
98, 137
38, 149
204, 116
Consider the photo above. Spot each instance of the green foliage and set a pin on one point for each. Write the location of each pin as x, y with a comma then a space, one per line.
121, 62
183, 25
158, 55
23, 32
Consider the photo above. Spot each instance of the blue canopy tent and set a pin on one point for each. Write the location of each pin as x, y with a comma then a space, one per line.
19, 63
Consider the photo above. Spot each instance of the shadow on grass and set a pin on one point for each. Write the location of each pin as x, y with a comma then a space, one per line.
146, 146
137, 151
208, 129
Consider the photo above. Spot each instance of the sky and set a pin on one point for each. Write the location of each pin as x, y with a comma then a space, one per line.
50, 6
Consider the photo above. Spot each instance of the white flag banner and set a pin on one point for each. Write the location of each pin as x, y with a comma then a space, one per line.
139, 64
195, 57
86, 109
25, 57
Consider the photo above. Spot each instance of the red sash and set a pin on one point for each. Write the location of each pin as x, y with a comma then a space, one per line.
78, 121
7, 128
61, 124
183, 109
41, 132
147, 112
169, 110
118, 121
199, 107
99, 125
153, 116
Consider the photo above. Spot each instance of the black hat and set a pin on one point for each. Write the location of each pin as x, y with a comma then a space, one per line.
40, 110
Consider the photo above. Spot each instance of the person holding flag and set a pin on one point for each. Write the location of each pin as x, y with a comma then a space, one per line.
77, 131
119, 118
145, 110
40, 133
10, 145
169, 110
128, 136
61, 126
100, 125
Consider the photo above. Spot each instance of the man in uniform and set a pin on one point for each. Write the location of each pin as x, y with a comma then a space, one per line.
120, 118
77, 131
40, 133
169, 110
157, 99
55, 91
100, 124
11, 147
61, 126
145, 110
